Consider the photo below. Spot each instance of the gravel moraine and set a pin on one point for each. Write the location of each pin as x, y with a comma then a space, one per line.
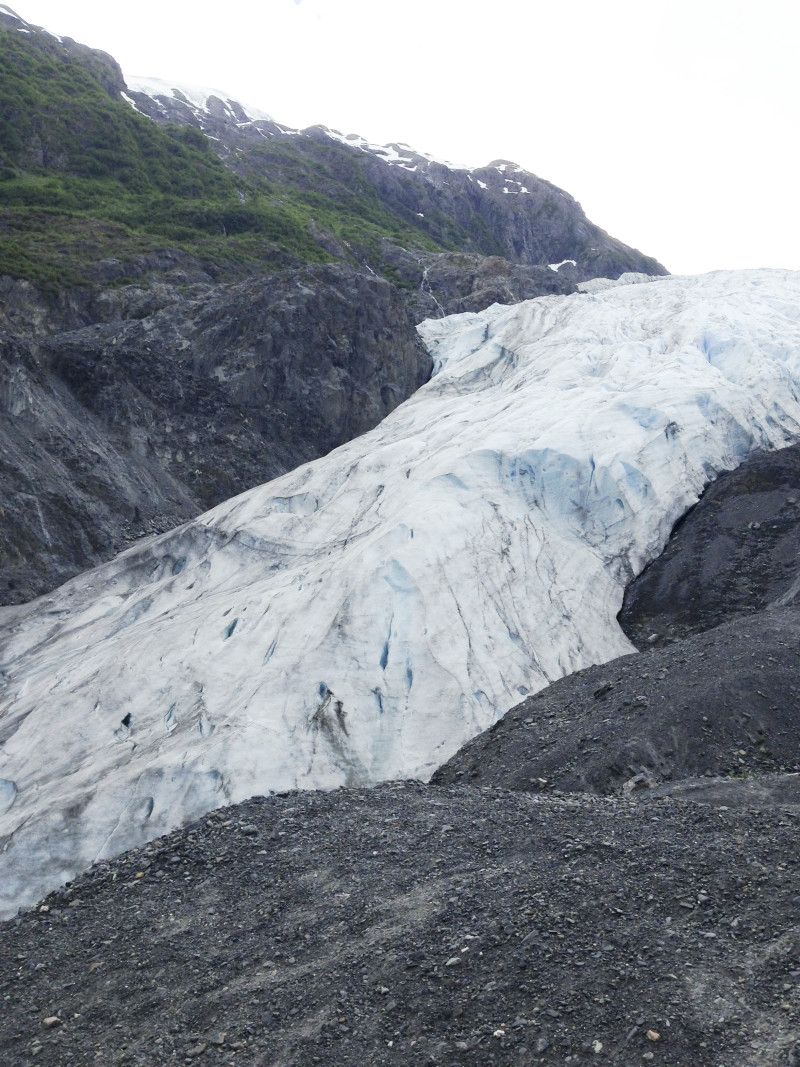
417, 925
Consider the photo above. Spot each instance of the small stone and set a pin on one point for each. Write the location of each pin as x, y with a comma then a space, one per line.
462, 1046
197, 1050
499, 1033
652, 1035
249, 830
542, 1045
597, 1046
648, 1056
453, 961
52, 1021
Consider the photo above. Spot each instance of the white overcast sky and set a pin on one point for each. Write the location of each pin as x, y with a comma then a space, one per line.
674, 123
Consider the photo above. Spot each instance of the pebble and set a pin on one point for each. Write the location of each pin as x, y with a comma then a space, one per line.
652, 1035
197, 1050
52, 1021
453, 961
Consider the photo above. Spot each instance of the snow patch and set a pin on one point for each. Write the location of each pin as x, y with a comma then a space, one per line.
396, 153
197, 96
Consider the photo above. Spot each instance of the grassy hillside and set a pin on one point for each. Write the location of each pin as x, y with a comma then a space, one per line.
83, 178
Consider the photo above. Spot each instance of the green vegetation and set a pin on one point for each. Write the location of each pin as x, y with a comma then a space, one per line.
84, 179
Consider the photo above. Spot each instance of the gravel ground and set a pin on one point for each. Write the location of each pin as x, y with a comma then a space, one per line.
417, 925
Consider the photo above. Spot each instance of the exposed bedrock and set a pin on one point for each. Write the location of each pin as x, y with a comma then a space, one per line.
174, 400
735, 553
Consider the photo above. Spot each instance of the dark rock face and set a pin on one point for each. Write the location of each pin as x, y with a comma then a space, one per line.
735, 553
449, 283
134, 424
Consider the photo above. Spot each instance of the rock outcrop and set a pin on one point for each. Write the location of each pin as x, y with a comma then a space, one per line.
175, 400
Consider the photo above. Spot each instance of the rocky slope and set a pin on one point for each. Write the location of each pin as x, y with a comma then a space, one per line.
735, 554
135, 423
721, 703
410, 924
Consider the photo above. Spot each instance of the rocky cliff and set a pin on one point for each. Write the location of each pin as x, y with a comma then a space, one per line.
133, 424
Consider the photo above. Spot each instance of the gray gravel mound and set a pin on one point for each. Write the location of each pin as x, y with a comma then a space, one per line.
410, 925
726, 702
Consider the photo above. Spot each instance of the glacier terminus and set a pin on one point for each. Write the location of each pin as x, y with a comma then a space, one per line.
360, 618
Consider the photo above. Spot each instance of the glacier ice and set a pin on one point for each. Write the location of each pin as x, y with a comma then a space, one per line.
361, 617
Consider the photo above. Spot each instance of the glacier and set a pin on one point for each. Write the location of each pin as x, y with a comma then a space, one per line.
361, 617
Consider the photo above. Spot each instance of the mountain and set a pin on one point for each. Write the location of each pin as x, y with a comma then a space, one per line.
130, 212
119, 174
606, 874
360, 618
500, 210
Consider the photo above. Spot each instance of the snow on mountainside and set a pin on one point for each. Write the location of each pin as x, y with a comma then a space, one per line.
359, 618
202, 103
156, 97
205, 105
197, 96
